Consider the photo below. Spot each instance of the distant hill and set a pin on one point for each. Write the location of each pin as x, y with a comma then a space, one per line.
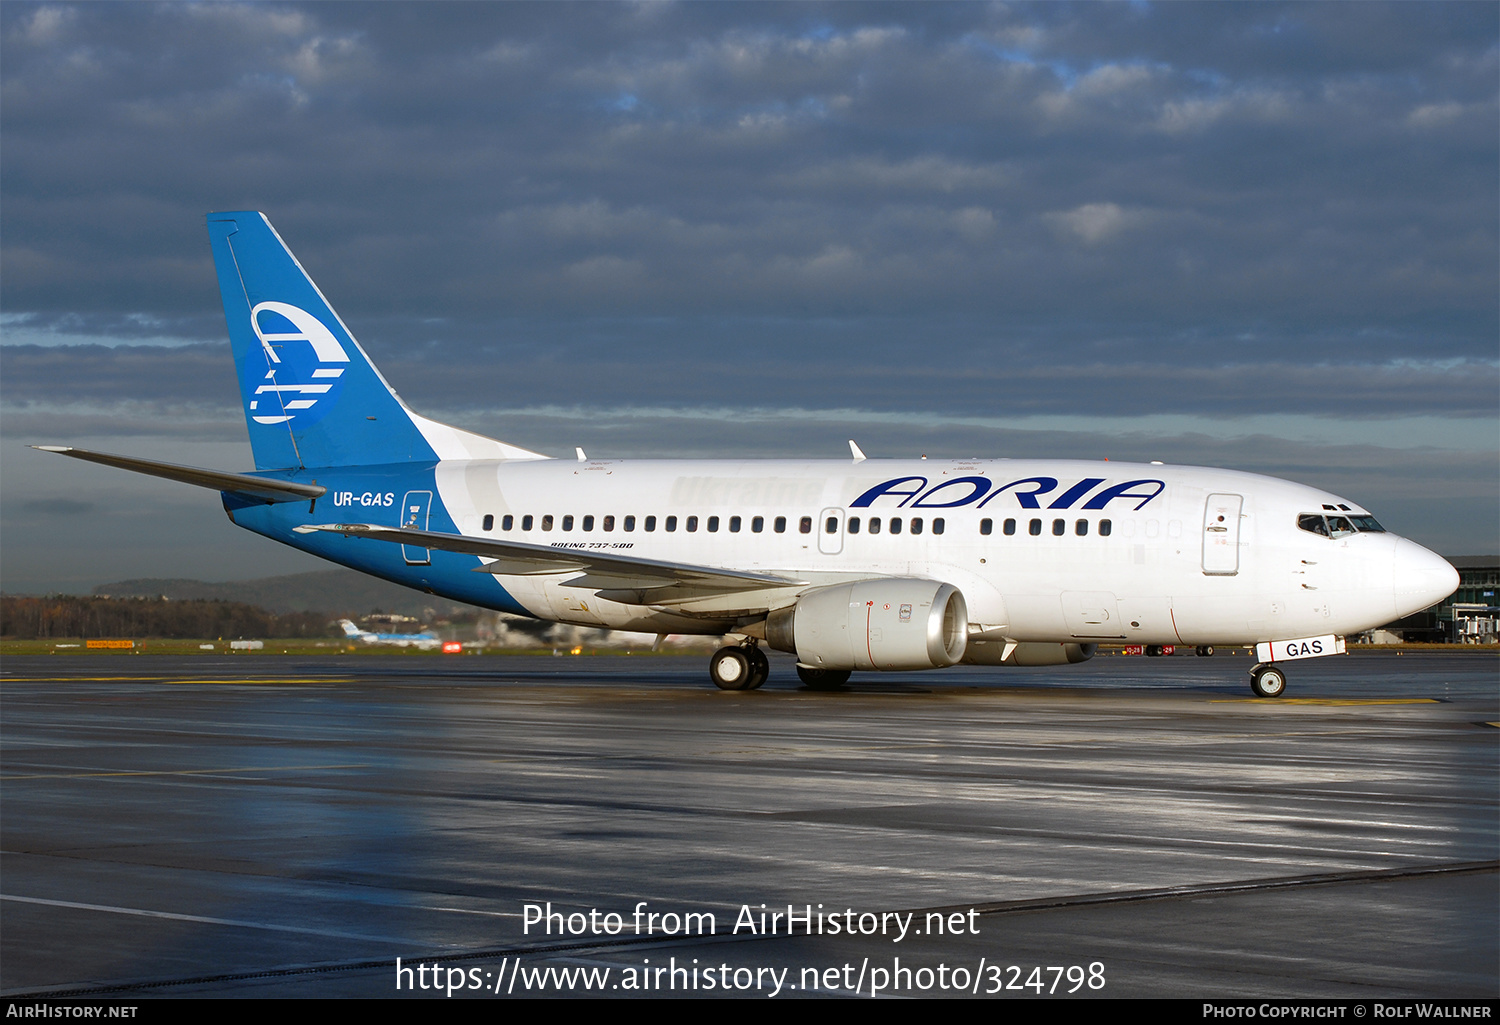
337, 592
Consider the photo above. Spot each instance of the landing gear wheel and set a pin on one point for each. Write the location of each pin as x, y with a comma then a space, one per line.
760, 667
1205, 650
1154, 650
823, 679
730, 669
1268, 681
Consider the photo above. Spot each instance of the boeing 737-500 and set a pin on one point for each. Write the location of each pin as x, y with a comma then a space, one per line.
851, 564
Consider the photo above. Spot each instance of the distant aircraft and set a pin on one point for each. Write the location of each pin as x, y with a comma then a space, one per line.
421, 640
850, 564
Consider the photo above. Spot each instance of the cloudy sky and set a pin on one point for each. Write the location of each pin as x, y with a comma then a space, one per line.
1251, 235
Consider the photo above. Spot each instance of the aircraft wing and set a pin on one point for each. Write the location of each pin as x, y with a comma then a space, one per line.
622, 577
263, 488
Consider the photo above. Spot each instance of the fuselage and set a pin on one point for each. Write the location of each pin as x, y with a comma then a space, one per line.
1042, 550
857, 564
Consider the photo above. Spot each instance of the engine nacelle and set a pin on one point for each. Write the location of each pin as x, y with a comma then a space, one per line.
888, 623
1027, 653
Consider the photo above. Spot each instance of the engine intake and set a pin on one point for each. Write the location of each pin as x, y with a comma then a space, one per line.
888, 623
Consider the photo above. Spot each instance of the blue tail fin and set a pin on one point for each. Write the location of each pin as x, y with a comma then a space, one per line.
312, 397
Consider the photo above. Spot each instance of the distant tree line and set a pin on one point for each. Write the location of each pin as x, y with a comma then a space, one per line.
85, 617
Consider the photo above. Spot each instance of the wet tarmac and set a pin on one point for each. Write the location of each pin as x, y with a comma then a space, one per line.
268, 826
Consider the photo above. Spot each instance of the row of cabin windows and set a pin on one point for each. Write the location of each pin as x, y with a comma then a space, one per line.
872, 525
804, 526
1059, 527
648, 523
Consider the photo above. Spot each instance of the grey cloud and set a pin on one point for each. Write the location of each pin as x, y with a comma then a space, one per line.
197, 375
817, 158
977, 209
57, 507
756, 363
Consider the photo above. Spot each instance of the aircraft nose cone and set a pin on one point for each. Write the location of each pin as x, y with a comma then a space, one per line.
1422, 579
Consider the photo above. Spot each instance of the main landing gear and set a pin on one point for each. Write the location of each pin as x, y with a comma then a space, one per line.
744, 667
1267, 680
823, 679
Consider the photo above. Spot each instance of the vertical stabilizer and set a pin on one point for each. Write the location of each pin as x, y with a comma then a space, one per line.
312, 397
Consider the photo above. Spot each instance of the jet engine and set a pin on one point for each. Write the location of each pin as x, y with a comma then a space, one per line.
1027, 653
887, 623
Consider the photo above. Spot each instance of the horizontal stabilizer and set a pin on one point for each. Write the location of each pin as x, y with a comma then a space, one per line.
519, 558
217, 480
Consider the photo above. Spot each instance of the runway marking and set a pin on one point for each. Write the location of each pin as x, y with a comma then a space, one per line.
184, 772
176, 679
203, 919
470, 911
1325, 701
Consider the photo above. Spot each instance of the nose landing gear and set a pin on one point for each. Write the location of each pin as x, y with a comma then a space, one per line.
1267, 680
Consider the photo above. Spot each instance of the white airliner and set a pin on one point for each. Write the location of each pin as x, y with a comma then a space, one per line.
421, 640
850, 564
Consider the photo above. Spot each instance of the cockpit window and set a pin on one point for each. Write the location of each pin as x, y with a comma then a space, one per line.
1313, 522
1338, 526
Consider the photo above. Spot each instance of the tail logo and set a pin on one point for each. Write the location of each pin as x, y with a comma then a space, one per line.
299, 378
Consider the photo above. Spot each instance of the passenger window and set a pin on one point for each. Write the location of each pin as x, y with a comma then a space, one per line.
567, 523
1035, 527
671, 523
854, 524
781, 524
609, 523
547, 522
508, 522
588, 523
1081, 528
831, 525
526, 522
489, 522
713, 523
805, 525
985, 526
937, 525
692, 523
650, 524
874, 524
916, 525
630, 523
1010, 527
734, 525
1105, 526
758, 524
895, 525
